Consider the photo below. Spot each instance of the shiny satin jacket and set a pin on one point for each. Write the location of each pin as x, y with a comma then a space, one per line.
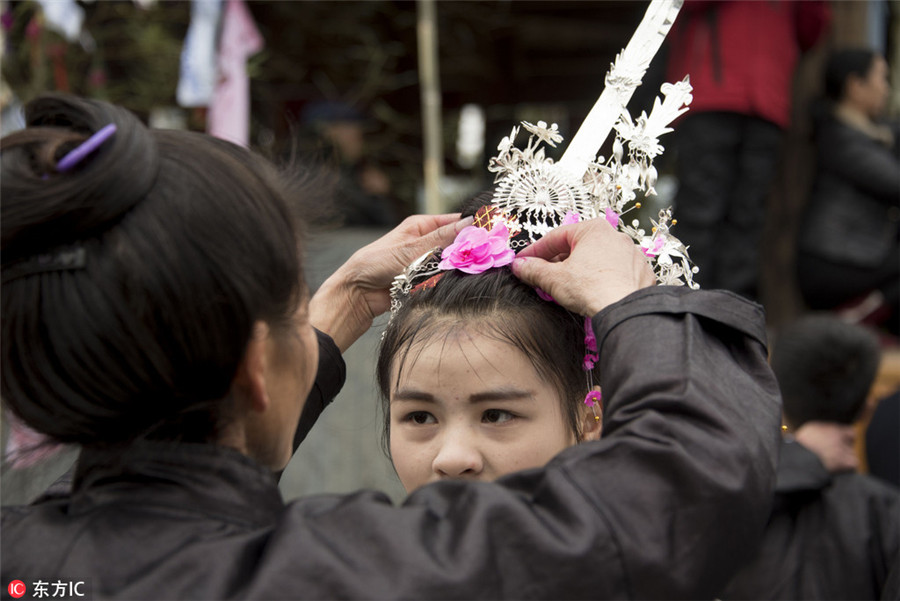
665, 505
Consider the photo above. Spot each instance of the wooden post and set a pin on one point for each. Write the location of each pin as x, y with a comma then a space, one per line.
430, 86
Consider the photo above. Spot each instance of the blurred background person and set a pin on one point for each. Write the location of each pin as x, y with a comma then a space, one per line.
833, 533
883, 440
741, 57
849, 242
362, 195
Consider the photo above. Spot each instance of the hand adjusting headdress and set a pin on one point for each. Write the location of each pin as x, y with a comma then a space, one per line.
534, 194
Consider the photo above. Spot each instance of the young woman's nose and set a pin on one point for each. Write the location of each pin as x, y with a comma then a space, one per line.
458, 456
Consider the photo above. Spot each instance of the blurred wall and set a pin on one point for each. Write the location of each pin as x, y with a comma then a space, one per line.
343, 451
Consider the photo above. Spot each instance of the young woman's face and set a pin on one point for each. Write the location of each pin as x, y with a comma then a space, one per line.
469, 406
879, 86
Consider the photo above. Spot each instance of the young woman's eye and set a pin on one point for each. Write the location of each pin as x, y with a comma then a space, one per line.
496, 416
420, 418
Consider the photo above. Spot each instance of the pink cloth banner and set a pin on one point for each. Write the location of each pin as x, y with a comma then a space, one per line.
229, 111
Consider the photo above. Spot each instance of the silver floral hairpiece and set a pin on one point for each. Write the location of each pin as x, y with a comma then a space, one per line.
534, 194
419, 271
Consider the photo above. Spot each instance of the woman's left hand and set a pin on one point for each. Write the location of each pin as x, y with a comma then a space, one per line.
347, 302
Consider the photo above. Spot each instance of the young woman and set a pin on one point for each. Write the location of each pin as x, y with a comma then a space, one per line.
153, 311
849, 237
481, 376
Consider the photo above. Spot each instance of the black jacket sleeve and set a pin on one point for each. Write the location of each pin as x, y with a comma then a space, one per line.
691, 435
330, 376
661, 507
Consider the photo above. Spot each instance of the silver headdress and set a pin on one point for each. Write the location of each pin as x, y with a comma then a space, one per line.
534, 194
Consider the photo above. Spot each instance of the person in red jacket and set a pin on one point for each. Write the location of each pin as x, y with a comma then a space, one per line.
740, 56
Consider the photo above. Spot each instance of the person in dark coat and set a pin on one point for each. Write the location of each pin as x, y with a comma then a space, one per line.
362, 195
849, 237
883, 442
154, 313
833, 533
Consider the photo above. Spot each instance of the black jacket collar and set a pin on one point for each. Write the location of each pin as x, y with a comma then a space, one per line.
201, 478
799, 469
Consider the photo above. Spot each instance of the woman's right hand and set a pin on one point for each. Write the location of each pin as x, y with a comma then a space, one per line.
585, 267
347, 302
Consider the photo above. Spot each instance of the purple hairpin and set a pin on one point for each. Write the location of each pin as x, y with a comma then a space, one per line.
85, 148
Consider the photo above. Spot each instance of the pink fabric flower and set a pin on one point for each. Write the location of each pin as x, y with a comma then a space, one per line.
594, 396
612, 217
571, 217
476, 250
654, 247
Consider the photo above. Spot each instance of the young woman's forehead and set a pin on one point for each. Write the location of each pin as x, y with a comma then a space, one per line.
475, 346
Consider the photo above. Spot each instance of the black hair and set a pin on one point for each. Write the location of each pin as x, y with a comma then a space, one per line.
825, 368
188, 241
841, 64
494, 303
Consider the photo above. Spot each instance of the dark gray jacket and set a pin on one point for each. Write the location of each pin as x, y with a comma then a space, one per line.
853, 214
665, 505
830, 536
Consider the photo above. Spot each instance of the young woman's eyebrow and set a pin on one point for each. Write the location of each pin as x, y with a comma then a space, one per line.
502, 394
412, 394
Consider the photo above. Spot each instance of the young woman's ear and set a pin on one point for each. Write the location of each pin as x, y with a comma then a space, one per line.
592, 421
249, 383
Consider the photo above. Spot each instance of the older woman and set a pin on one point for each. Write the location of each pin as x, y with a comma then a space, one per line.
154, 313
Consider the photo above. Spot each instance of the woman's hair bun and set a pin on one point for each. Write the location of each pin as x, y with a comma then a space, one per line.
42, 208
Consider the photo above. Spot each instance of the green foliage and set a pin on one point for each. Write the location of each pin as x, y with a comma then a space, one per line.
128, 55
